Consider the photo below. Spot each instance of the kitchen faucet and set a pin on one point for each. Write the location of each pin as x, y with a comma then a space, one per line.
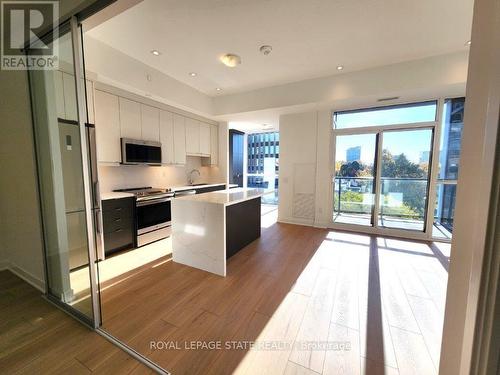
190, 176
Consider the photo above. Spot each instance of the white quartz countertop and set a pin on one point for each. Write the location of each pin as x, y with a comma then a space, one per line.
193, 187
115, 195
225, 197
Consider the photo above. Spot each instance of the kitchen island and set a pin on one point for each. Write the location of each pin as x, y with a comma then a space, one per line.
209, 228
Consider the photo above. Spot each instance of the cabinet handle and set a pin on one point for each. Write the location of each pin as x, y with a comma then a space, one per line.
118, 208
119, 230
119, 219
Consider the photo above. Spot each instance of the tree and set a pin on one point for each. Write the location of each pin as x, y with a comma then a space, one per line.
400, 168
351, 169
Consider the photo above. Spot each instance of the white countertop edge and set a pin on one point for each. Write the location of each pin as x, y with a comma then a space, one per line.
211, 197
115, 195
242, 200
194, 187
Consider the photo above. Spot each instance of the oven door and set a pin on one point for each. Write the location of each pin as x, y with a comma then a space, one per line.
153, 214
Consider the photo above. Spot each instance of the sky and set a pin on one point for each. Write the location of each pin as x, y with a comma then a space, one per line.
411, 143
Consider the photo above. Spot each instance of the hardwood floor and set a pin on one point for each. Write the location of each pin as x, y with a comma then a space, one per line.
311, 301
38, 338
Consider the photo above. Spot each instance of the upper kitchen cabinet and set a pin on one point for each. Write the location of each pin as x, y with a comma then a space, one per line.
214, 144
130, 119
214, 147
204, 139
180, 137
167, 137
192, 137
150, 117
71, 112
107, 124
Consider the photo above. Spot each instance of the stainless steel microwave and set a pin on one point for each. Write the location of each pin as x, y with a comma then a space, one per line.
140, 152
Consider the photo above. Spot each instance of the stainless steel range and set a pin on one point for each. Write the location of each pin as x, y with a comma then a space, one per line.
153, 213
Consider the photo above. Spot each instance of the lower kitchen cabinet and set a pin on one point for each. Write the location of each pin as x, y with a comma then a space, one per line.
119, 225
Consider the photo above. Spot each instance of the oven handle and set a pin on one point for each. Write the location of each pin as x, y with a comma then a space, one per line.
152, 201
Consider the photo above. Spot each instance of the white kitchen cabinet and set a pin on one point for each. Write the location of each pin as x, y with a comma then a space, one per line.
150, 119
167, 137
204, 139
214, 147
89, 87
70, 108
192, 137
179, 139
59, 94
107, 125
130, 119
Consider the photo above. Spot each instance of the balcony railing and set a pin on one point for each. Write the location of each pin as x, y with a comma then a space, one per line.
400, 197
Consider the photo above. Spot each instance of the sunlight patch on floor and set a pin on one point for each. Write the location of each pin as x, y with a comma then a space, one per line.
386, 301
121, 263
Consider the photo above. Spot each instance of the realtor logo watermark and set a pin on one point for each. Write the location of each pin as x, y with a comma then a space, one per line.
23, 24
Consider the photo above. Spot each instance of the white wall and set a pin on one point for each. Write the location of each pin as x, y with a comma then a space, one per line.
297, 176
224, 151
20, 230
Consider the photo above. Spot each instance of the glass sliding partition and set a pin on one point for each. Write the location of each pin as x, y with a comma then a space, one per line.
59, 115
404, 178
353, 197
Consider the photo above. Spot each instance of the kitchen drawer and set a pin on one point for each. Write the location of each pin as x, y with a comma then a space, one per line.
119, 205
118, 240
116, 220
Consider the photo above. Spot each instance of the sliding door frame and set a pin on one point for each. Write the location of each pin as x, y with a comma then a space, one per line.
435, 126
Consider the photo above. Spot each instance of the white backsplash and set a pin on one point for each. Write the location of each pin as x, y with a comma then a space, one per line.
130, 176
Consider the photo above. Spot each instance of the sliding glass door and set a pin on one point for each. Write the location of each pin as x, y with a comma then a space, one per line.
404, 178
65, 184
354, 184
382, 168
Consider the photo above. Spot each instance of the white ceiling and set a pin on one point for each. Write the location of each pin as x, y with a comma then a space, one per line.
309, 38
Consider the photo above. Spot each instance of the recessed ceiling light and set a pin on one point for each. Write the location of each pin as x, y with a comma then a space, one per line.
230, 60
340, 67
193, 74
266, 50
468, 43
218, 89
156, 52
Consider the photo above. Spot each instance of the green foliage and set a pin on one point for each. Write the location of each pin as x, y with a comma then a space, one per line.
398, 167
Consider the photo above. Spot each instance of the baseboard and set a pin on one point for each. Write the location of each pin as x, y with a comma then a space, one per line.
296, 221
26, 276
320, 224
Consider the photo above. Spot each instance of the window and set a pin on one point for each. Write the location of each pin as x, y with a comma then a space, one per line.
390, 115
263, 164
449, 162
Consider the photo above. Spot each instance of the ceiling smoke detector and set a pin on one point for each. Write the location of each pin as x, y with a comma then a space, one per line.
265, 50
230, 59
